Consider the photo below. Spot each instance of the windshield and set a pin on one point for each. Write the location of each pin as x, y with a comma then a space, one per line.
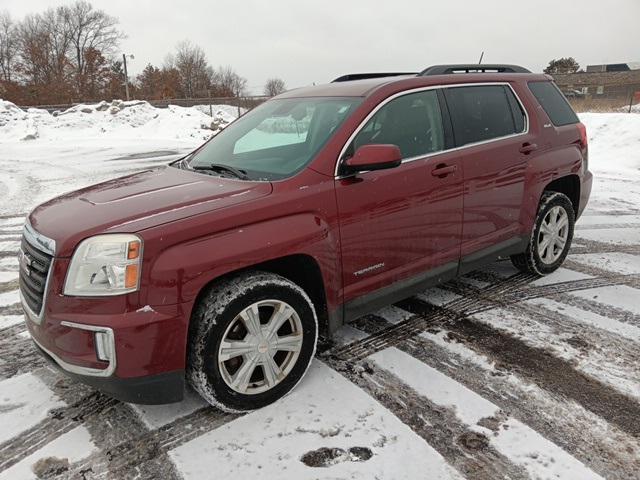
275, 140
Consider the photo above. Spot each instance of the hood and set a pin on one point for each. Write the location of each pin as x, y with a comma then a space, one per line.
136, 202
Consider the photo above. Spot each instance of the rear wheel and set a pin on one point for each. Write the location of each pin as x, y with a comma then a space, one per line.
251, 342
551, 237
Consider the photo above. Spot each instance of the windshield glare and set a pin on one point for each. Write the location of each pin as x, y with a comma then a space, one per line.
278, 138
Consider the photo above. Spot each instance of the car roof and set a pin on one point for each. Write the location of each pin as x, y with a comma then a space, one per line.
364, 88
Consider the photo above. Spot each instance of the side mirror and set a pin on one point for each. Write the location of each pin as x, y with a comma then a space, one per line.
373, 157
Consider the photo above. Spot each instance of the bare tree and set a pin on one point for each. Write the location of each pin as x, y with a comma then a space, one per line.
44, 41
227, 83
195, 73
8, 47
274, 86
90, 31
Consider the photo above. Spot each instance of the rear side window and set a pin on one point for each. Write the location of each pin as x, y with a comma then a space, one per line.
412, 122
483, 112
519, 117
553, 102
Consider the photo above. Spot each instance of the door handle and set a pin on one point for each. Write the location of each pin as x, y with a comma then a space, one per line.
527, 148
442, 170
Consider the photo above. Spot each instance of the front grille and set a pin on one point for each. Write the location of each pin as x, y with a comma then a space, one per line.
34, 271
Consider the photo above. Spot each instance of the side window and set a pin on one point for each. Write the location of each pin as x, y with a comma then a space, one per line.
519, 118
481, 113
553, 102
412, 122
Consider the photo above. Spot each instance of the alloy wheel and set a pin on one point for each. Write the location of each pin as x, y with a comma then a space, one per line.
553, 234
260, 347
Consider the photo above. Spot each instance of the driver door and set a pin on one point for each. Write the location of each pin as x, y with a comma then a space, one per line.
400, 226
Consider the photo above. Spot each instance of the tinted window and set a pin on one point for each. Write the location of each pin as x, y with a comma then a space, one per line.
412, 122
481, 113
554, 103
519, 118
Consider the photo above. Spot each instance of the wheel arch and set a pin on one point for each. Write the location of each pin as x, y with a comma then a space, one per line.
301, 269
568, 185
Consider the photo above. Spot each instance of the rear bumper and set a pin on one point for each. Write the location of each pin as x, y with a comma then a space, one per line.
585, 192
157, 389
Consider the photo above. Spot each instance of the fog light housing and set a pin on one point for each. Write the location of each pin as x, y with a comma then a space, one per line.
103, 347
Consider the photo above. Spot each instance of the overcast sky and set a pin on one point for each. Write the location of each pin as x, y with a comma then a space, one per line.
305, 42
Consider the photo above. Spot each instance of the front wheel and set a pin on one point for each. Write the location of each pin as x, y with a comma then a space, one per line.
252, 339
551, 236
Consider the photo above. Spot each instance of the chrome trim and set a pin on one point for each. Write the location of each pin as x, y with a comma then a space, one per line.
39, 241
79, 370
428, 155
48, 246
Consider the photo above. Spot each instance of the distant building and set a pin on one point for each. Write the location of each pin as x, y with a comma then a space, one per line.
618, 81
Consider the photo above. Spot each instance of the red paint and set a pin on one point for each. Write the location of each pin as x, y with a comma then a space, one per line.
196, 228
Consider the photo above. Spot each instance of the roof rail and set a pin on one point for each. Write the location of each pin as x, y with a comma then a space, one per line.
361, 76
472, 68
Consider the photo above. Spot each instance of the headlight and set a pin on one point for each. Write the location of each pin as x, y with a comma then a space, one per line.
105, 265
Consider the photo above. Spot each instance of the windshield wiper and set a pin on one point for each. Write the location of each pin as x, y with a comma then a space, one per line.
218, 167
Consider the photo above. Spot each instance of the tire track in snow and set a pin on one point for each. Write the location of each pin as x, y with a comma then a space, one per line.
146, 453
505, 292
605, 226
13, 309
600, 349
17, 216
600, 308
19, 355
467, 451
417, 324
9, 286
589, 305
634, 280
58, 422
8, 334
585, 436
109, 422
592, 246
537, 365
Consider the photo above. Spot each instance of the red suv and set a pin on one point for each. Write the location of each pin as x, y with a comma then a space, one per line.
321, 205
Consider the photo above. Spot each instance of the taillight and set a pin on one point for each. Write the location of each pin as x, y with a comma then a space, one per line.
583, 135
582, 130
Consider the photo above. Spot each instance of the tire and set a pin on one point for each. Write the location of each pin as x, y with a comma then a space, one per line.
537, 260
235, 362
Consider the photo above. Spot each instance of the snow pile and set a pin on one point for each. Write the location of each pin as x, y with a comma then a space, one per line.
614, 141
118, 119
634, 109
224, 109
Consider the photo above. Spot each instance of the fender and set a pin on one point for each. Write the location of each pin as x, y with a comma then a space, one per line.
180, 272
547, 166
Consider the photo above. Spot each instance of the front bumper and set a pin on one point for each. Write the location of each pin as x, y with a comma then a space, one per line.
138, 358
157, 389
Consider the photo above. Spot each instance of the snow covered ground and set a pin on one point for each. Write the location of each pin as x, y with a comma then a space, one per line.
494, 376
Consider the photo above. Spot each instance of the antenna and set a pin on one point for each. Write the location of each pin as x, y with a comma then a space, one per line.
481, 55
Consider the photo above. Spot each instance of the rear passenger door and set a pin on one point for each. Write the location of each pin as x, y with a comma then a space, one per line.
489, 126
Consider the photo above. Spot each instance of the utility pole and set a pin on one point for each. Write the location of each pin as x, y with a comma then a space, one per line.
238, 101
481, 55
126, 77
